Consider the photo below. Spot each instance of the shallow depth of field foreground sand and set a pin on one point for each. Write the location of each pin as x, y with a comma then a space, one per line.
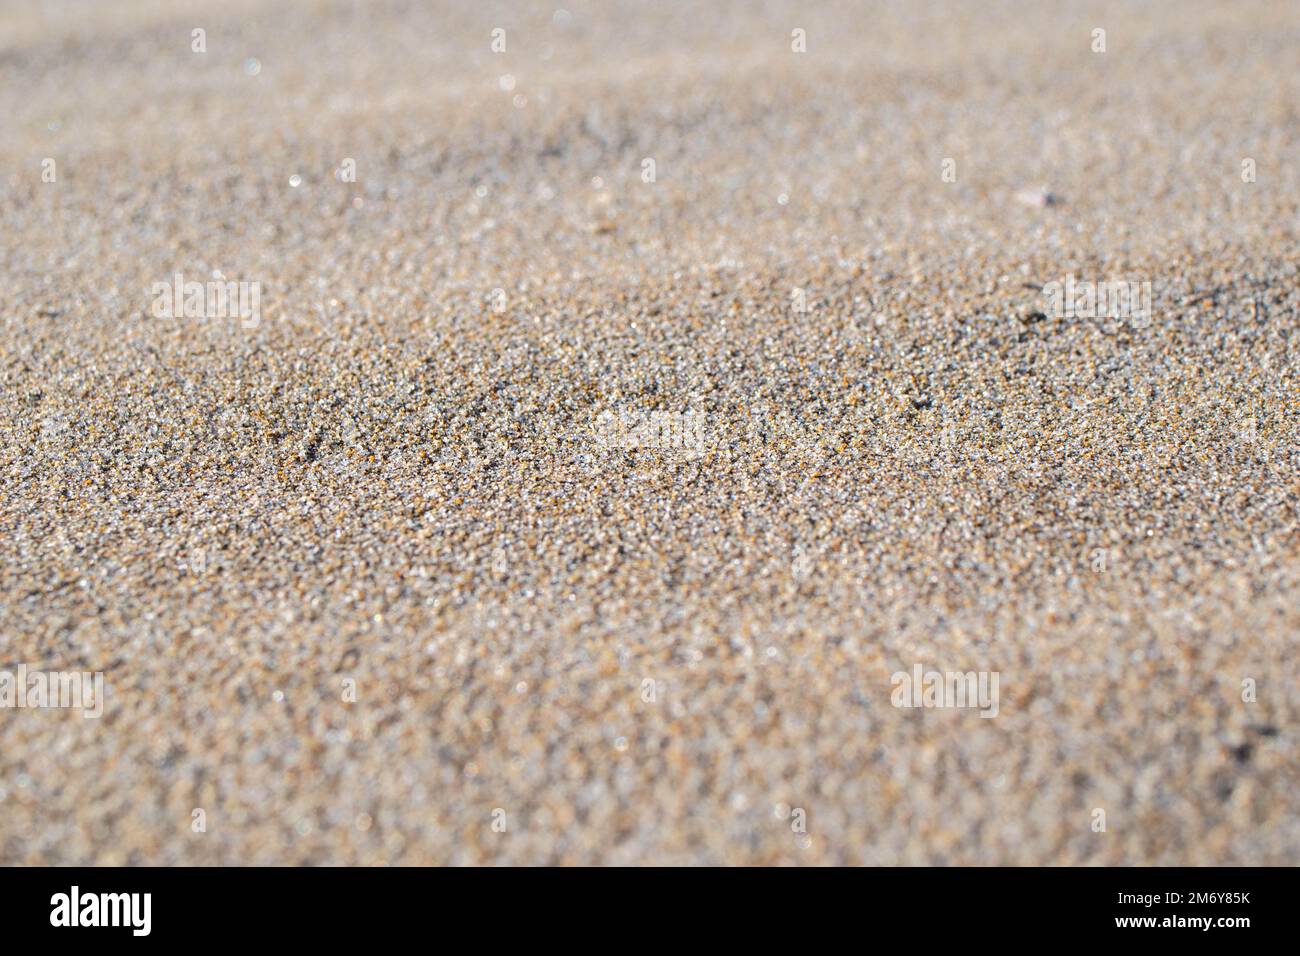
369, 581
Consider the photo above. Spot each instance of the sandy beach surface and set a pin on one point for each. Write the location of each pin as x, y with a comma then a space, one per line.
611, 416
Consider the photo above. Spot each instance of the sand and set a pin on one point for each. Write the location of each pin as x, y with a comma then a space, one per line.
560, 508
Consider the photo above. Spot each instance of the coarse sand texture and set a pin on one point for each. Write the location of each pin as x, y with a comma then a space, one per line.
484, 432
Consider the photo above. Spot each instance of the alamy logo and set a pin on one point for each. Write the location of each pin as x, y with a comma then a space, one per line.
56, 689
103, 909
666, 431
218, 299
1084, 299
948, 689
